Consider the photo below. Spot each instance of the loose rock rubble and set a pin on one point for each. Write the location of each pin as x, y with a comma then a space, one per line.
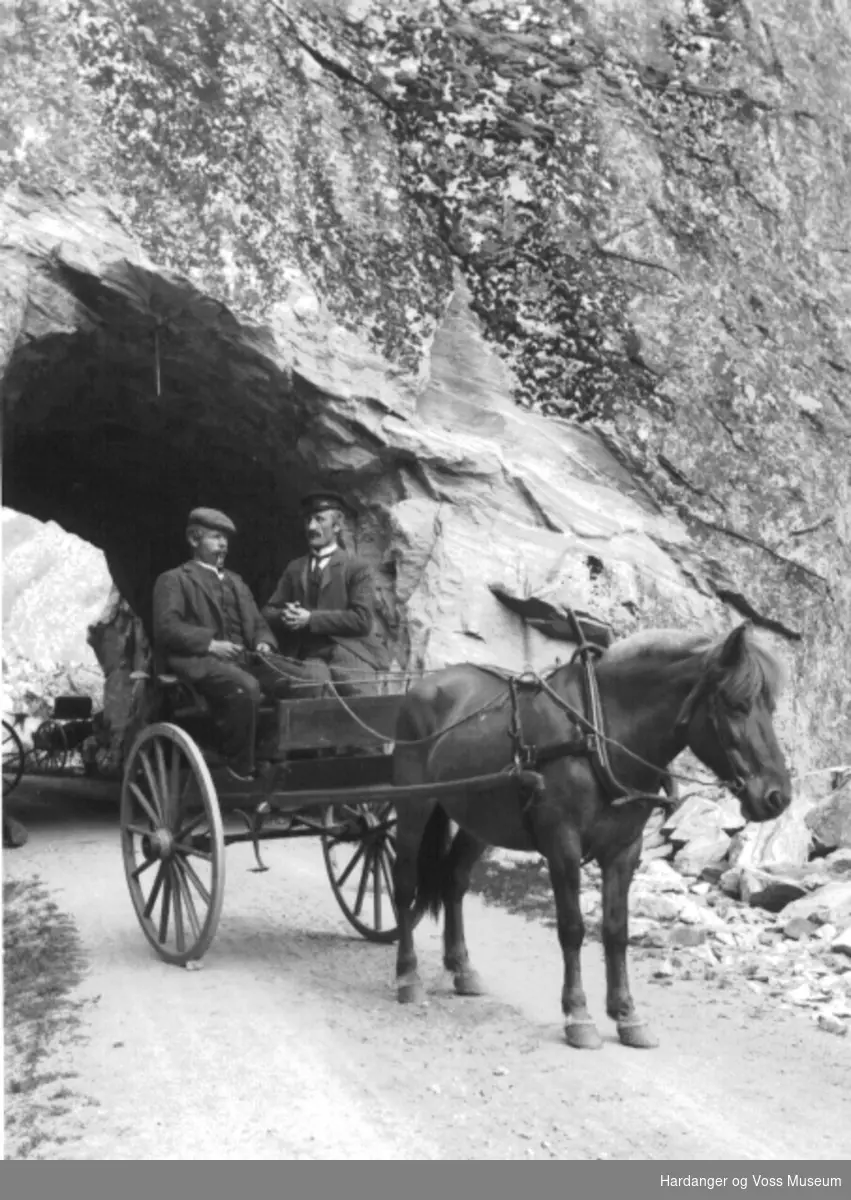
785, 932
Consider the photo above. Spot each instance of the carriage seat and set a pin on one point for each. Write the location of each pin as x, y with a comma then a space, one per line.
182, 698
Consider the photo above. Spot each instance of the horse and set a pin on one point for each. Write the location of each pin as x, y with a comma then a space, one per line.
659, 691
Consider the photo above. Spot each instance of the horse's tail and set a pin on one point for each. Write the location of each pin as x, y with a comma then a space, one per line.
432, 861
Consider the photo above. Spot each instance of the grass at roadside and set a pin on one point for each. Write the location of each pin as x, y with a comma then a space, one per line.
42, 962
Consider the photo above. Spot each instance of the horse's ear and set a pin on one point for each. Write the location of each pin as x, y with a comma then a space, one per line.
736, 645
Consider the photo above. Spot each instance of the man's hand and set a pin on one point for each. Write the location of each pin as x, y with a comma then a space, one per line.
295, 617
264, 648
226, 650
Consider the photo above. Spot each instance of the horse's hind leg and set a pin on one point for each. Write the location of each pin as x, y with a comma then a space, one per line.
564, 862
465, 852
617, 876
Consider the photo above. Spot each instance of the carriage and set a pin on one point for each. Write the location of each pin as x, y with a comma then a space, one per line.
324, 771
67, 739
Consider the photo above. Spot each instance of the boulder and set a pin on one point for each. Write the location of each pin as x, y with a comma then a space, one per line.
730, 882
798, 929
830, 904
830, 820
708, 849
771, 892
662, 877
838, 863
691, 818
658, 853
784, 841
659, 907
841, 944
688, 935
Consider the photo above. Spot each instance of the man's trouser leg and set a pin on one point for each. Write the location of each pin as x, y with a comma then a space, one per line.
351, 675
291, 679
233, 695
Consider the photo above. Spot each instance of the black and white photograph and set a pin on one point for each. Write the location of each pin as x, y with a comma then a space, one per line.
426, 566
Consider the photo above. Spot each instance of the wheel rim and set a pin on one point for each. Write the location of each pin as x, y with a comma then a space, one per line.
359, 861
173, 843
13, 759
50, 747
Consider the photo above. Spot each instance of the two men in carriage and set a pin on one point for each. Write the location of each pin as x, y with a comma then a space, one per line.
315, 631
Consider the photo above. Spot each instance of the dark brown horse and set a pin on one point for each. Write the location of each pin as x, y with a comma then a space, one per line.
661, 691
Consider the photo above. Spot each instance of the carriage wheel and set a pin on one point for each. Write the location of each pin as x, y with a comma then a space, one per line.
359, 859
13, 759
50, 747
173, 843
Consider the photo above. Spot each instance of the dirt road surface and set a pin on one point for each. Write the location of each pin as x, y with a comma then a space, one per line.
289, 1042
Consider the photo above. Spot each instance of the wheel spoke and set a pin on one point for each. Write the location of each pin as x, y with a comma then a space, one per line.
149, 862
174, 789
386, 872
376, 893
354, 861
155, 891
166, 905
185, 830
178, 909
184, 848
364, 880
195, 878
163, 781
140, 796
191, 911
141, 830
152, 784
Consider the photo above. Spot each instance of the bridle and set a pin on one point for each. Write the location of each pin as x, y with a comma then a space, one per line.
733, 780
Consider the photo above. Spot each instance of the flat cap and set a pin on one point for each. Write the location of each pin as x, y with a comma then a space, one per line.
322, 500
211, 518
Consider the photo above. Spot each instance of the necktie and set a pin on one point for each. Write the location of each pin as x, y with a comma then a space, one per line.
315, 576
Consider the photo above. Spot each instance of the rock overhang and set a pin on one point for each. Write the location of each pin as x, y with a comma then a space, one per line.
131, 396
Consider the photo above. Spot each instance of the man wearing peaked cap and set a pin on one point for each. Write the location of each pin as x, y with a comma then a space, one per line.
211, 518
207, 627
323, 608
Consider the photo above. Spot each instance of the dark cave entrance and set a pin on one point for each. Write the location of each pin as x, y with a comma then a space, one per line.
118, 429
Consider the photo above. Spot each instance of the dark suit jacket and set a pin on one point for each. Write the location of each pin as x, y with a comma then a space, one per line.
187, 615
345, 611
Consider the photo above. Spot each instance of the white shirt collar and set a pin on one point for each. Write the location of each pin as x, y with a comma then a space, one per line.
210, 567
322, 556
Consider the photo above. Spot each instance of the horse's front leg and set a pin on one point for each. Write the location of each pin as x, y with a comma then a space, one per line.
617, 877
564, 863
409, 988
465, 852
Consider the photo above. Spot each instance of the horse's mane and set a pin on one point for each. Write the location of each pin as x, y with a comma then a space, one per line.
758, 674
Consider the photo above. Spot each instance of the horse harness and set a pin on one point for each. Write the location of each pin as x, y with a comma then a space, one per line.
528, 759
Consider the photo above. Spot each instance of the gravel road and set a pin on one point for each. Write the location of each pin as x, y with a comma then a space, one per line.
289, 1042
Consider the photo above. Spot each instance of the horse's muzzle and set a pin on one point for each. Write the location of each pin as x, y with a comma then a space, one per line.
769, 806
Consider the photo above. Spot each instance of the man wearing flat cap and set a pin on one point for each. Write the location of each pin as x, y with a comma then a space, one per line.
323, 608
206, 626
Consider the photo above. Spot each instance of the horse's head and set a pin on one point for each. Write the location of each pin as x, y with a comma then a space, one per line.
727, 722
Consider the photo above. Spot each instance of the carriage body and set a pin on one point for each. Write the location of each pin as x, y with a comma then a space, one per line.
324, 771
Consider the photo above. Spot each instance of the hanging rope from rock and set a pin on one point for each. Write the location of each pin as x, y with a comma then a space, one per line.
157, 356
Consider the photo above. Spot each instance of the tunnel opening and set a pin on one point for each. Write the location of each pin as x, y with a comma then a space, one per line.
153, 401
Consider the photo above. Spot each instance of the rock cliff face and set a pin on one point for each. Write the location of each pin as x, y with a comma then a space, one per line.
559, 294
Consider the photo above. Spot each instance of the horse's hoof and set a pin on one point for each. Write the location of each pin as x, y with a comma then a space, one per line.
582, 1035
469, 983
411, 992
637, 1034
